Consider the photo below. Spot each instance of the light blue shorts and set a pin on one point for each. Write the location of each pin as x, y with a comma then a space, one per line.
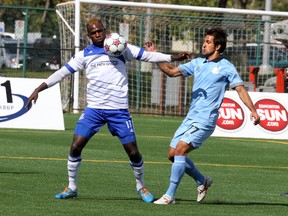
119, 123
190, 132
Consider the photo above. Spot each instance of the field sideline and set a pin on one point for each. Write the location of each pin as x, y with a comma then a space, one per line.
249, 174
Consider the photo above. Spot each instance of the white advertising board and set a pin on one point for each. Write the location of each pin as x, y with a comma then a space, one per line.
45, 114
234, 119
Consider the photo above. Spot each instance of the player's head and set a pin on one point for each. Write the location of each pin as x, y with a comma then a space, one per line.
220, 38
96, 31
214, 43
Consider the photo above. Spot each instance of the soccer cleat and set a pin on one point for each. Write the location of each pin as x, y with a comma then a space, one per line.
165, 200
66, 194
202, 189
145, 195
284, 194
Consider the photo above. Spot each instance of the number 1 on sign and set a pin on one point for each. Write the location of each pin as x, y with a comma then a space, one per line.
7, 86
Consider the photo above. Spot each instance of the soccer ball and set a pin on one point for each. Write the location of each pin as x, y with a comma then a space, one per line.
115, 44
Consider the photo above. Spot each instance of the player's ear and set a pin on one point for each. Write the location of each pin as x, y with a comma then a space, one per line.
218, 47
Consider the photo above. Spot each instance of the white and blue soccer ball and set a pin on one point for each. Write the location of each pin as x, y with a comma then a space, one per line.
115, 44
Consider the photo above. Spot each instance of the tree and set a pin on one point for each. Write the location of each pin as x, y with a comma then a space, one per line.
222, 3
240, 4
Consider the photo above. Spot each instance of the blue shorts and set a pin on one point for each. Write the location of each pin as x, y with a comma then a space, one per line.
119, 123
190, 132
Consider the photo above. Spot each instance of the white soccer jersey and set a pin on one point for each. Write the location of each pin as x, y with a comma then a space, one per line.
107, 86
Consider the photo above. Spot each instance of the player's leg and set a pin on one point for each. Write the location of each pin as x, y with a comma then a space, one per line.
196, 136
137, 165
86, 127
177, 172
181, 144
203, 182
168, 197
74, 160
73, 164
120, 124
190, 168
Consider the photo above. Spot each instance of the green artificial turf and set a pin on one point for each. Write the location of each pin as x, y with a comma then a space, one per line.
249, 174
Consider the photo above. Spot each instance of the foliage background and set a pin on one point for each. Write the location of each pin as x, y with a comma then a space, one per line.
50, 19
243, 4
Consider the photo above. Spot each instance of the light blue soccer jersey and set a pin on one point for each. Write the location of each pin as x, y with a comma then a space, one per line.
211, 78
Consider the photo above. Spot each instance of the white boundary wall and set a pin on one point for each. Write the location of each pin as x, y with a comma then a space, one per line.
45, 114
234, 120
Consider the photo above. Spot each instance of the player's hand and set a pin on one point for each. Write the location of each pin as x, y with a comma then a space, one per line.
286, 75
181, 56
149, 46
255, 118
33, 97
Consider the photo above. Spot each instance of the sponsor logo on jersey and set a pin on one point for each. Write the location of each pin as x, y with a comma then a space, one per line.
104, 63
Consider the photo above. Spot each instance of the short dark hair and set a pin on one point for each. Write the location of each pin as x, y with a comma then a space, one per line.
93, 21
220, 37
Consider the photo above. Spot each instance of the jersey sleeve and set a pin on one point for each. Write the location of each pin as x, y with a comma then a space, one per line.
57, 76
234, 78
76, 63
187, 69
134, 52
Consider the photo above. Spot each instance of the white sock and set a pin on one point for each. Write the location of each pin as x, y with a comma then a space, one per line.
73, 165
138, 169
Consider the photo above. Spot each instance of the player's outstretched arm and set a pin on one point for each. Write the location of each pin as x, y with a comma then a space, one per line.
34, 95
166, 67
181, 56
54, 78
150, 47
244, 96
169, 69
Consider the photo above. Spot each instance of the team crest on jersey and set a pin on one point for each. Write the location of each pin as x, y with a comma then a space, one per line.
197, 69
215, 70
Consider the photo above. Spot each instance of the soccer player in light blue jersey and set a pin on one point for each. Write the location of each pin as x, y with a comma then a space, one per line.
212, 74
107, 102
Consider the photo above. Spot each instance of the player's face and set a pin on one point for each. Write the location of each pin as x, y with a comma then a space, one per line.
97, 33
209, 49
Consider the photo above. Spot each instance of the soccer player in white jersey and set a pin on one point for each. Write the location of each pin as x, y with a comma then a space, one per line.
107, 102
212, 74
